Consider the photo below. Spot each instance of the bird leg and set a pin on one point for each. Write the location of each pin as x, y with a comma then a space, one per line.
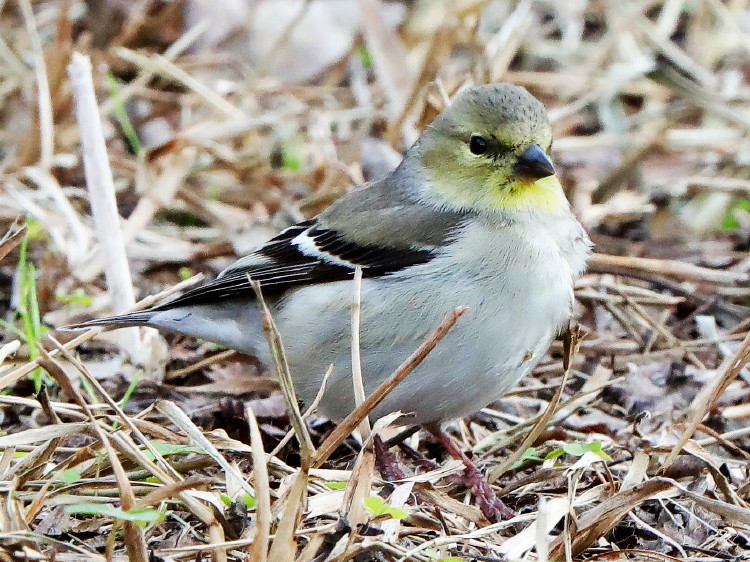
386, 462
491, 506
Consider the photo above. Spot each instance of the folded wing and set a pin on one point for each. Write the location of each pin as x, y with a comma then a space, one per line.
303, 254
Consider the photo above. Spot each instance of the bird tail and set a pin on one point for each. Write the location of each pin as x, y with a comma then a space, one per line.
141, 318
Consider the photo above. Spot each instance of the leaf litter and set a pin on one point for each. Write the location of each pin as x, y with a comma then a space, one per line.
222, 127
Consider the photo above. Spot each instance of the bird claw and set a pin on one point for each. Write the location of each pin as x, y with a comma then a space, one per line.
489, 504
492, 507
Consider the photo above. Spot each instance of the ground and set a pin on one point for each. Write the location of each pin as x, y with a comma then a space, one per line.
223, 126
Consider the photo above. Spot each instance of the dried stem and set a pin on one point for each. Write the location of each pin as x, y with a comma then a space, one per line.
345, 427
731, 369
573, 340
359, 387
101, 190
307, 449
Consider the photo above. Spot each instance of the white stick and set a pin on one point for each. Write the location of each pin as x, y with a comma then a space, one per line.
46, 122
101, 190
359, 387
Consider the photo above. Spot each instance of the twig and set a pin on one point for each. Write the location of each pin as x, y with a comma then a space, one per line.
388, 54
668, 268
259, 548
158, 64
307, 449
572, 342
310, 410
11, 238
200, 365
13, 376
703, 404
502, 48
359, 387
351, 421
127, 422
284, 546
456, 539
664, 537
185, 41
609, 185
177, 416
46, 122
101, 190
133, 535
435, 54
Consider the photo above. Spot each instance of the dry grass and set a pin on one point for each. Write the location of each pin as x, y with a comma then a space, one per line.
221, 128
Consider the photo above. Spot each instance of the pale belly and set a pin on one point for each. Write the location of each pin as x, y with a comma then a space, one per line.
509, 324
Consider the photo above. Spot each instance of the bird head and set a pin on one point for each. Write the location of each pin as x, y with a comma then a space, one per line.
488, 151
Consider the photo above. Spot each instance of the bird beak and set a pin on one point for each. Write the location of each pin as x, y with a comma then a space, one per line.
534, 164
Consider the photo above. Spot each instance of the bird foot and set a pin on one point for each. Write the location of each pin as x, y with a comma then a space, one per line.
492, 507
489, 504
386, 462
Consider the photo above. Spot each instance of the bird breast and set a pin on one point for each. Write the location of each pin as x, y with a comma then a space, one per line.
516, 280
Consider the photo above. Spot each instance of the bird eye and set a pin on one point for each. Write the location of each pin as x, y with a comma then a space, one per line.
478, 144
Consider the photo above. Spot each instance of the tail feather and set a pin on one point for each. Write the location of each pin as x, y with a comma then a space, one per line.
234, 323
141, 318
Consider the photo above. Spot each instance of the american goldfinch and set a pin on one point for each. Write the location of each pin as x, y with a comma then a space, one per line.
473, 216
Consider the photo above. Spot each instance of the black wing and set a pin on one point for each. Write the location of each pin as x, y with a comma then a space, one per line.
303, 254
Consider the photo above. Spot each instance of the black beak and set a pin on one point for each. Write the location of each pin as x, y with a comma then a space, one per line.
534, 164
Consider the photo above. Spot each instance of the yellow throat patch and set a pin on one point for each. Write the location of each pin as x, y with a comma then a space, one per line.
545, 194
497, 193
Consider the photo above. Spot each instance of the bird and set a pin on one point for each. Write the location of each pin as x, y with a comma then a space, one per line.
474, 216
